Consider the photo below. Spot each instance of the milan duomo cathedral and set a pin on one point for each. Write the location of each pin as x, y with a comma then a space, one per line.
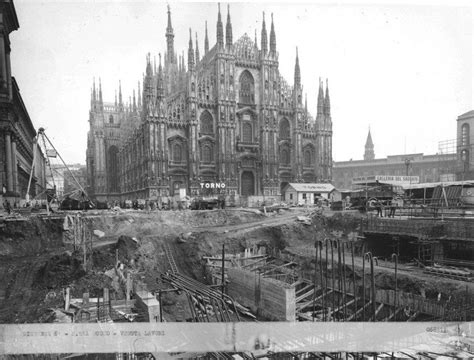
228, 117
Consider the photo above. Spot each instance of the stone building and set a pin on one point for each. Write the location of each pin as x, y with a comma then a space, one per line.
464, 146
227, 116
429, 168
17, 132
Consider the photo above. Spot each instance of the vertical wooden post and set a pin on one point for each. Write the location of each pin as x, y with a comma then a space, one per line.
68, 299
127, 289
223, 273
106, 300
315, 275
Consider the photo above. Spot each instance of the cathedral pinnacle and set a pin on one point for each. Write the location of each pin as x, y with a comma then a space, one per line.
297, 71
206, 42
228, 29
320, 98
120, 94
190, 51
327, 102
198, 57
220, 30
264, 41
272, 39
170, 39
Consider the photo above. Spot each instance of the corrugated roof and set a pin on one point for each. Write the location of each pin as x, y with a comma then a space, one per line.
310, 187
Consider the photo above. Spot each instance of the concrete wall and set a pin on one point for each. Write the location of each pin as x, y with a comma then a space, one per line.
269, 298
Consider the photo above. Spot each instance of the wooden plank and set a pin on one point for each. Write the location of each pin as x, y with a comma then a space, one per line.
376, 312
392, 314
354, 316
303, 305
304, 296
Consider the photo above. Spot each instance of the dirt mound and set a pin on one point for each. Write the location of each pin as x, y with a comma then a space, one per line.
30, 237
58, 271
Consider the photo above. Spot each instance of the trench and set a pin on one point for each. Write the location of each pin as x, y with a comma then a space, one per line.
39, 263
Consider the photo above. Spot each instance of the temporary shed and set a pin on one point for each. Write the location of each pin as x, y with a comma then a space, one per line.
306, 193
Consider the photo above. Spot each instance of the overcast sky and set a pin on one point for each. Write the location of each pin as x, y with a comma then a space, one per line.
403, 70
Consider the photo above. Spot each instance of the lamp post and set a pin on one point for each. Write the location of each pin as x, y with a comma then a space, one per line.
407, 164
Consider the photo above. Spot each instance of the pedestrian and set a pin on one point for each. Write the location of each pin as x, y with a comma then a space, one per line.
7, 207
379, 208
393, 207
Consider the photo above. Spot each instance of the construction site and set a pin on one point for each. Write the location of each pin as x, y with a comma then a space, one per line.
235, 265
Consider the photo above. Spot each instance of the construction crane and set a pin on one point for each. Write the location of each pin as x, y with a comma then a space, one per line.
50, 151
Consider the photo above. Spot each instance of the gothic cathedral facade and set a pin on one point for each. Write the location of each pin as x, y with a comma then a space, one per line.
227, 117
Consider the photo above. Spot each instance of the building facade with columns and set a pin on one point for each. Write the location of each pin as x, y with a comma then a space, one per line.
429, 168
227, 116
17, 132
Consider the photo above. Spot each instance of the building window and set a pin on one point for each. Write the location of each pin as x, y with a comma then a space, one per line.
284, 129
247, 88
177, 155
111, 119
291, 196
247, 132
206, 154
304, 196
465, 135
307, 158
285, 157
207, 126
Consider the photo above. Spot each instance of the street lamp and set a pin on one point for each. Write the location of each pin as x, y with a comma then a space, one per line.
407, 164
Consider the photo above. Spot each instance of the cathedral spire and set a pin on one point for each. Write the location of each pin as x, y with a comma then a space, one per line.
272, 39
228, 29
190, 51
134, 102
120, 94
264, 42
159, 83
327, 102
148, 71
197, 49
94, 94
306, 104
220, 30
139, 104
115, 98
100, 92
170, 39
206, 42
320, 98
297, 71
369, 148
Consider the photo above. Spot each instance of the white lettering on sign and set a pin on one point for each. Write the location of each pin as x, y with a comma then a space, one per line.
212, 185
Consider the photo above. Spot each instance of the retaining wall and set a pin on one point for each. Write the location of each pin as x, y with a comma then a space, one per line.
269, 298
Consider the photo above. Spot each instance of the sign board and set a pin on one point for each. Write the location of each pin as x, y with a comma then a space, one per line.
391, 179
182, 193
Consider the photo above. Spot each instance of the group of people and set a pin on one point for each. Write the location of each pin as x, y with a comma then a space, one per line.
380, 206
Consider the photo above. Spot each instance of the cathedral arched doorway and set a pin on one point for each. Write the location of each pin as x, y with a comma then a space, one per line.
112, 169
247, 183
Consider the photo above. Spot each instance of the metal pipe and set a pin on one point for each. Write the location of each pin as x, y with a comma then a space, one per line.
332, 276
372, 278
395, 256
321, 272
363, 283
326, 282
339, 272
344, 281
223, 273
315, 275
353, 277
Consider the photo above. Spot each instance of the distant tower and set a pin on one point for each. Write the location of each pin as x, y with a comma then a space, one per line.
369, 148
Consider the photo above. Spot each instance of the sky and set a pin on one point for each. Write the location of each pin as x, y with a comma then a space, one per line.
404, 71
